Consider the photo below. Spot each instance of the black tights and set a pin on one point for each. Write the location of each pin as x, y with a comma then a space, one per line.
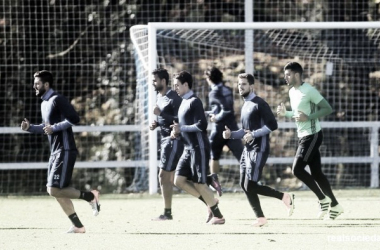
252, 189
316, 181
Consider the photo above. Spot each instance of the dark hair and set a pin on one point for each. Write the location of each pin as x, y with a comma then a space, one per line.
295, 67
162, 74
215, 75
183, 77
45, 76
250, 78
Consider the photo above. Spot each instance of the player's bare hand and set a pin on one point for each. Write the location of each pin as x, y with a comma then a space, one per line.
175, 128
281, 110
212, 118
153, 125
301, 117
156, 110
248, 136
48, 129
226, 133
25, 124
173, 135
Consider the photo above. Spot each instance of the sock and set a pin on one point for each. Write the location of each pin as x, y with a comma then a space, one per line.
201, 198
168, 212
215, 211
75, 220
208, 180
87, 196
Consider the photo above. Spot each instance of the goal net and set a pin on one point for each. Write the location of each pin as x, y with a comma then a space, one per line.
339, 59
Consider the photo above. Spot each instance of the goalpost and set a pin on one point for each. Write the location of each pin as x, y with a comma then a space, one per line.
175, 45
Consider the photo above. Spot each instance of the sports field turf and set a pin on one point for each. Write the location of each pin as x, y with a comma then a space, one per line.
125, 222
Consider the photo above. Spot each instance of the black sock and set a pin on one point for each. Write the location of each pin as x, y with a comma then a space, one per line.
208, 180
75, 220
215, 211
201, 198
87, 196
168, 212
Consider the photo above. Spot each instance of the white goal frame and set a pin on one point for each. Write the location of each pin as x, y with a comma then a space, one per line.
152, 56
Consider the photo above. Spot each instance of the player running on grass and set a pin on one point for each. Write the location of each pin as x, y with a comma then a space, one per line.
258, 122
193, 166
58, 116
166, 110
308, 105
221, 102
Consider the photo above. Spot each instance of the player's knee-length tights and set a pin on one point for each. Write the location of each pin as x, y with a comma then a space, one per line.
316, 181
252, 189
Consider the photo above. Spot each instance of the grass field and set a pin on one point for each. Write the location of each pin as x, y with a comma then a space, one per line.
125, 223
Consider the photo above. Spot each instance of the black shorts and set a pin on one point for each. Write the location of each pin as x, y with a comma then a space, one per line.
309, 145
217, 143
60, 169
171, 151
194, 164
252, 164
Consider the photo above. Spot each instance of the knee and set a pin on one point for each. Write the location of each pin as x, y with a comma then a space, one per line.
298, 171
52, 191
178, 182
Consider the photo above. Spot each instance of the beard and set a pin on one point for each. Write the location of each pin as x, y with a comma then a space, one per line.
41, 92
158, 88
245, 94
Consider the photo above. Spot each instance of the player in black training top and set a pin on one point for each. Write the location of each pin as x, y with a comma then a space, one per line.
258, 122
221, 103
58, 116
193, 166
166, 110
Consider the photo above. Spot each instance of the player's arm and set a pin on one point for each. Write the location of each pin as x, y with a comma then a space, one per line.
270, 123
281, 111
324, 109
35, 129
238, 134
199, 116
68, 112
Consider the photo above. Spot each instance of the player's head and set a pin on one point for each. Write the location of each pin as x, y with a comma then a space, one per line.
160, 79
43, 80
245, 84
293, 73
214, 75
183, 82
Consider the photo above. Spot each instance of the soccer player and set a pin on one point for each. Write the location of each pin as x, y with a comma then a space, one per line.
193, 166
258, 122
221, 101
308, 105
166, 110
58, 116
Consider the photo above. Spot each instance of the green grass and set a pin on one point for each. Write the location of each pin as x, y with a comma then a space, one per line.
125, 223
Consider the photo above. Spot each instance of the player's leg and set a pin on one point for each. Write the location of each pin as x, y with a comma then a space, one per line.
300, 162
308, 147
61, 164
216, 150
60, 178
166, 183
199, 164
247, 171
171, 151
216, 145
256, 187
183, 173
236, 147
316, 171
